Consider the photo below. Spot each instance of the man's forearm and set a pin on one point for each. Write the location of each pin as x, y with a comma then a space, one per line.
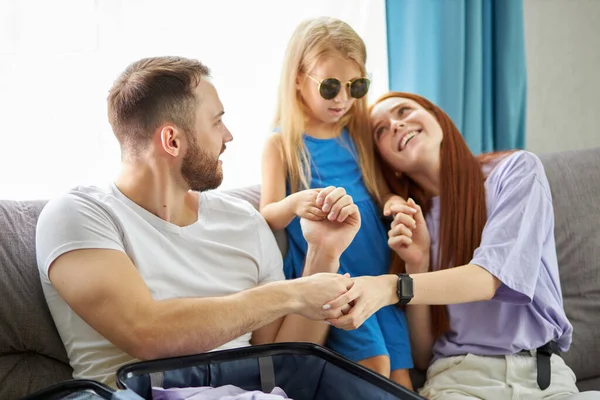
296, 328
187, 326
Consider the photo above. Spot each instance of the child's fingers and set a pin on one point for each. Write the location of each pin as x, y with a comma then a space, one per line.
397, 242
404, 219
400, 229
403, 208
419, 218
387, 208
310, 217
317, 211
313, 214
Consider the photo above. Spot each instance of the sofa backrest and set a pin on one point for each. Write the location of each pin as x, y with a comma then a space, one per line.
574, 178
32, 355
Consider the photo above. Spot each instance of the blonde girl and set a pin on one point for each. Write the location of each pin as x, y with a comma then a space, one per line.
319, 161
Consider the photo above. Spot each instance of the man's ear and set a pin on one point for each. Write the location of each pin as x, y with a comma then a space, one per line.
171, 139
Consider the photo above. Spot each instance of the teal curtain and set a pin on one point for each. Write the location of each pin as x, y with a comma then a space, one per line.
468, 57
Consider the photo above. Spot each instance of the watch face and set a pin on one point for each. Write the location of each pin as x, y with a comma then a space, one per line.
407, 287
399, 288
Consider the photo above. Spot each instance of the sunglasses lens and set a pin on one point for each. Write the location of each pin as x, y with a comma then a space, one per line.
330, 88
359, 88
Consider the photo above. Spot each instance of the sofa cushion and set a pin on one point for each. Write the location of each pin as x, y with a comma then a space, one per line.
25, 322
24, 373
575, 184
252, 195
589, 385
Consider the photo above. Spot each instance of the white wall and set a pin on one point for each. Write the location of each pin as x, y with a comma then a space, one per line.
59, 58
562, 39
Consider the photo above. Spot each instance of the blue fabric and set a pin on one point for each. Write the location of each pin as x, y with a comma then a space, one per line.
334, 163
468, 57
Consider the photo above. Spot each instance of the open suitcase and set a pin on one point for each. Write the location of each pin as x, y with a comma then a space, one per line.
304, 371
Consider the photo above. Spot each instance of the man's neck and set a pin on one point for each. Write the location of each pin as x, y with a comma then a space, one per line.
157, 191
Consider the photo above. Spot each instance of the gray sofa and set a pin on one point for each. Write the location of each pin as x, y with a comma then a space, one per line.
32, 355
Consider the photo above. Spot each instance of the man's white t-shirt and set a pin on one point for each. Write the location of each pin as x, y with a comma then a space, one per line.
229, 249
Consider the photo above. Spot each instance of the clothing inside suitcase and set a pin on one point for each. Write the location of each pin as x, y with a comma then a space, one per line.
304, 371
73, 390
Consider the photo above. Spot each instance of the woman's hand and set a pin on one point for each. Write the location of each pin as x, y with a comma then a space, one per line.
367, 295
409, 236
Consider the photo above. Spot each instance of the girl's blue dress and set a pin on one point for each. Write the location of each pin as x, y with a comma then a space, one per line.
334, 162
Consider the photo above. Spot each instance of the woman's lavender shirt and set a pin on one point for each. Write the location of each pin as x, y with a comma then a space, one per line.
518, 248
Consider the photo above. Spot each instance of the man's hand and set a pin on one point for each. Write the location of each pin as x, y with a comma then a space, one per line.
333, 235
317, 290
367, 295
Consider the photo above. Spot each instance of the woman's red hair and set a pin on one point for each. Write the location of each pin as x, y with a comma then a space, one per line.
463, 211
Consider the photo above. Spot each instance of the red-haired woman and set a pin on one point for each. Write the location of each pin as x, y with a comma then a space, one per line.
488, 322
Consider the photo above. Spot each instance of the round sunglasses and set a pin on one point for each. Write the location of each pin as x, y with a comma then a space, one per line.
329, 88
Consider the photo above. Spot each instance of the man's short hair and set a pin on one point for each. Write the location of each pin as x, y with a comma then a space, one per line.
150, 92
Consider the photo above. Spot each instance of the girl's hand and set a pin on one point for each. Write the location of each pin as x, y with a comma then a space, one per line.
393, 200
332, 203
304, 205
409, 237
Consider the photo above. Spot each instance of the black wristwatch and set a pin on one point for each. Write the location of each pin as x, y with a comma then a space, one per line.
404, 289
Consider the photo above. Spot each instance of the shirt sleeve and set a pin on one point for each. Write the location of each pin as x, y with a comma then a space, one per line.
271, 267
518, 225
73, 222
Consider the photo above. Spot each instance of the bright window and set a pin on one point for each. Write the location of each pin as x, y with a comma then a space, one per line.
58, 59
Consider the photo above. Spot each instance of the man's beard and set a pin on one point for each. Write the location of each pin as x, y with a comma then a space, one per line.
200, 170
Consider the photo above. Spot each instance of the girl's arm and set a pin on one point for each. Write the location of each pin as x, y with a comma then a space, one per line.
276, 208
313, 204
279, 210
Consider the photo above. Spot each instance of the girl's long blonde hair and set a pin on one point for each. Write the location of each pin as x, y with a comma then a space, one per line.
311, 41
